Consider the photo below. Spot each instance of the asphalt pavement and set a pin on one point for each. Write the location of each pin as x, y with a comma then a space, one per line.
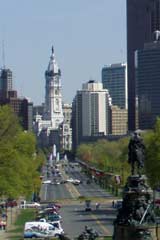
74, 216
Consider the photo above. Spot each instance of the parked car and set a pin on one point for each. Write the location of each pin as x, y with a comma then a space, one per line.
24, 204
11, 203
54, 217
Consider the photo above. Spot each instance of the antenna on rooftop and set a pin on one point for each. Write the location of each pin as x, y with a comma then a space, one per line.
3, 54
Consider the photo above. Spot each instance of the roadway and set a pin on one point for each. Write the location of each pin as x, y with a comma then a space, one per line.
74, 216
54, 192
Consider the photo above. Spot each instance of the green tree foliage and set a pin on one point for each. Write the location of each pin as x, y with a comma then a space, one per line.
109, 156
112, 156
19, 160
152, 160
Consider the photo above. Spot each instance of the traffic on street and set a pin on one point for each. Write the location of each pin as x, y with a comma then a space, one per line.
83, 202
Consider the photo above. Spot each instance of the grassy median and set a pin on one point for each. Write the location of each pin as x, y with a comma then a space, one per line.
25, 215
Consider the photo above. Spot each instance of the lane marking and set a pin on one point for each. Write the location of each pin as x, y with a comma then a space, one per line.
106, 231
45, 192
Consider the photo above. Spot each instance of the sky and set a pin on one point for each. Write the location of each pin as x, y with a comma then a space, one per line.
86, 35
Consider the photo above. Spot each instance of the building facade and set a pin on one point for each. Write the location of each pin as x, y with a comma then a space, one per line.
90, 112
114, 78
52, 120
22, 107
65, 128
119, 120
143, 18
53, 93
148, 84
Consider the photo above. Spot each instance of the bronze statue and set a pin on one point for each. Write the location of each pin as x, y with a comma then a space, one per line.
136, 151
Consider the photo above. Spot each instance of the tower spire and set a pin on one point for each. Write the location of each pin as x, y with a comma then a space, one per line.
52, 50
3, 54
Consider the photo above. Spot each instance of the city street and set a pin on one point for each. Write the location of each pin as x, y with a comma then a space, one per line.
74, 216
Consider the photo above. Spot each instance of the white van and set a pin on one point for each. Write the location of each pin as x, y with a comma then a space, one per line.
40, 229
55, 224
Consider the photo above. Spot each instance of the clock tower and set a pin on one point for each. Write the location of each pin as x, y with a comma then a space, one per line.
53, 93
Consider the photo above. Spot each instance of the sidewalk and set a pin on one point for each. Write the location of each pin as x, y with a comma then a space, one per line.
12, 213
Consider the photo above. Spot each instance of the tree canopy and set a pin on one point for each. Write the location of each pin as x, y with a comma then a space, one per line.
112, 156
19, 158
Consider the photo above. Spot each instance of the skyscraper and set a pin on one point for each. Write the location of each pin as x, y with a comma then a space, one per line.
114, 78
148, 84
90, 109
143, 18
5, 82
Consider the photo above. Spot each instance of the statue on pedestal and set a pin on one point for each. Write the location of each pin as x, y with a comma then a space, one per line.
136, 152
136, 218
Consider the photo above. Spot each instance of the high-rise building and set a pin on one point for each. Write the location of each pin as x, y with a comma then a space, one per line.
53, 93
21, 106
5, 82
143, 18
114, 78
90, 112
148, 84
119, 119
23, 109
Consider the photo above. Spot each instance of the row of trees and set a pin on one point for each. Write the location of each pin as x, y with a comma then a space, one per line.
112, 156
20, 161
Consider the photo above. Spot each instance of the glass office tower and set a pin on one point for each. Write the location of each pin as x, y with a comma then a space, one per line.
143, 18
148, 84
114, 78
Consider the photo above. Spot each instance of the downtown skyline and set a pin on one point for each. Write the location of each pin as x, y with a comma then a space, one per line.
85, 37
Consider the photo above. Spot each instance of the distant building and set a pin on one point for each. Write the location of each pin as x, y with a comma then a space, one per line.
90, 112
143, 18
148, 84
21, 106
114, 78
38, 110
5, 79
65, 128
52, 120
119, 119
53, 93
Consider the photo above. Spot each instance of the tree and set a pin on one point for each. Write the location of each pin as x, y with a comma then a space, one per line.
152, 159
19, 159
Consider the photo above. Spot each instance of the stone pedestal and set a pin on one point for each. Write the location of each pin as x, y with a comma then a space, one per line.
135, 220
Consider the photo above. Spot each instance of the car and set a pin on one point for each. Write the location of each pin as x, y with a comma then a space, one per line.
76, 182
33, 205
46, 182
71, 180
54, 217
118, 204
88, 205
63, 181
55, 183
88, 181
11, 203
